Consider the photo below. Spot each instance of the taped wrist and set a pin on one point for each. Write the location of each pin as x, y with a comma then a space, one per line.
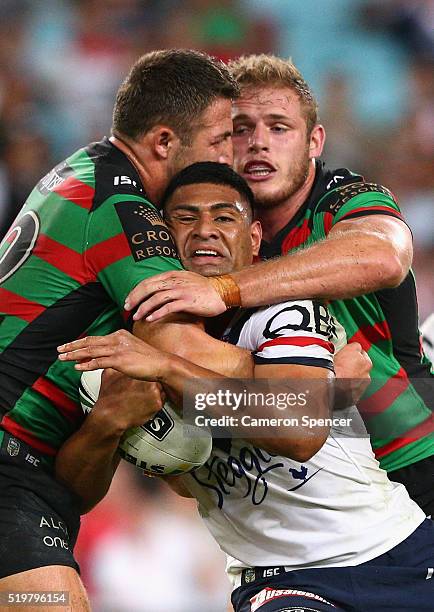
227, 289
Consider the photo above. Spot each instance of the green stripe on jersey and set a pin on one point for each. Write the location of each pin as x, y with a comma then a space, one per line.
10, 328
72, 216
83, 166
104, 223
408, 454
118, 282
41, 282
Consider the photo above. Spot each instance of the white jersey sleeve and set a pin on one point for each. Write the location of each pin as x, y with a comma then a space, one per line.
298, 332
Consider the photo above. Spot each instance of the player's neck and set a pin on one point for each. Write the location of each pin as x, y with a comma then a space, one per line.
134, 155
274, 219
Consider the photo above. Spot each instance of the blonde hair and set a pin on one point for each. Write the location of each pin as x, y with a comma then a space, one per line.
271, 71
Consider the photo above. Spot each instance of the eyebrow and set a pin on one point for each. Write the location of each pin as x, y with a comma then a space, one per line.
273, 116
216, 206
224, 134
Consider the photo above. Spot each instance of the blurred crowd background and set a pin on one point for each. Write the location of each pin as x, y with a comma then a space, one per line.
371, 65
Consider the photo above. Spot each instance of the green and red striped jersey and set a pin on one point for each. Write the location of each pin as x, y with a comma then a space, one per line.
85, 237
397, 406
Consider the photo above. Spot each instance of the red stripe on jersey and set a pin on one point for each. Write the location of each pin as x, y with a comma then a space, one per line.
297, 236
126, 314
371, 334
76, 191
385, 396
18, 306
61, 257
108, 252
423, 429
328, 222
367, 209
26, 436
298, 341
68, 408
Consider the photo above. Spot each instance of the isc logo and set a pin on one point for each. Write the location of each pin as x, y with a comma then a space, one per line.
269, 572
31, 459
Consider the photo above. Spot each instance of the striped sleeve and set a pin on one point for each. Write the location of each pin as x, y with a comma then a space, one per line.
298, 332
356, 200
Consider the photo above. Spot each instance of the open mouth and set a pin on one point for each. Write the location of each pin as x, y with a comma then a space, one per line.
258, 170
205, 253
206, 256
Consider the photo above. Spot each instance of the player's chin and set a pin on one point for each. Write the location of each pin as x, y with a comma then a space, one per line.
210, 269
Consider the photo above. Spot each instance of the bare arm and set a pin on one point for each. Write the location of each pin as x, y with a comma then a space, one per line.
352, 368
129, 355
87, 461
358, 256
299, 441
183, 336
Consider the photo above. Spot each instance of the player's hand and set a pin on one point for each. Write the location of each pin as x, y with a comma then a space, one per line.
352, 362
175, 292
124, 402
352, 368
121, 351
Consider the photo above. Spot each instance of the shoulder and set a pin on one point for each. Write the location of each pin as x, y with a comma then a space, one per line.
288, 318
115, 178
299, 331
346, 195
342, 186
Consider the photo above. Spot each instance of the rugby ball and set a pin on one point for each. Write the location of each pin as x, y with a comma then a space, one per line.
162, 446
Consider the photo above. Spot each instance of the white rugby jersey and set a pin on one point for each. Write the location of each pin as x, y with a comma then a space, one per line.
337, 509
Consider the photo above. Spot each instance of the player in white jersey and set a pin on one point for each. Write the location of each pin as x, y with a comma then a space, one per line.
306, 526
336, 509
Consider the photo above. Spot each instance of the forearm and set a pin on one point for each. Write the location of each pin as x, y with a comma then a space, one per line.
190, 342
298, 442
87, 462
342, 266
175, 371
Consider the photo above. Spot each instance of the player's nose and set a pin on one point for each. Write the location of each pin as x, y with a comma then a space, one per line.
259, 138
205, 228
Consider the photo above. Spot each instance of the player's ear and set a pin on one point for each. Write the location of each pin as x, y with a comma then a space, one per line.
163, 140
256, 236
316, 141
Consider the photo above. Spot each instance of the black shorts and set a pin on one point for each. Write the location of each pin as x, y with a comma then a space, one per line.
418, 479
401, 580
39, 517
